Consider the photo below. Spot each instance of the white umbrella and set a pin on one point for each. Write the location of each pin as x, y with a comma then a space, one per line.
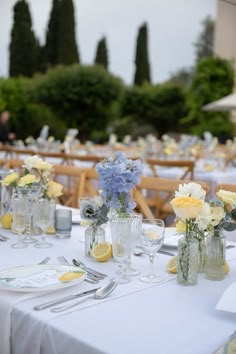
227, 103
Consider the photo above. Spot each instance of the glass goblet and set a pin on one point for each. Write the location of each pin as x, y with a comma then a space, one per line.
121, 245
19, 221
42, 217
153, 233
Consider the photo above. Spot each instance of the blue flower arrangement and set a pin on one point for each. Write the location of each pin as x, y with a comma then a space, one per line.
117, 176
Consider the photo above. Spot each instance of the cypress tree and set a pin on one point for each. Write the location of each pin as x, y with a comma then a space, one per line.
23, 47
68, 52
51, 51
142, 72
101, 57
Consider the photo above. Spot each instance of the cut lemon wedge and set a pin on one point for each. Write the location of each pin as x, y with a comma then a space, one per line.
226, 268
7, 220
102, 252
172, 265
70, 276
50, 230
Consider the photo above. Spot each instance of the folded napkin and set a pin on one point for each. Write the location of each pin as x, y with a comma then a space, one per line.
228, 347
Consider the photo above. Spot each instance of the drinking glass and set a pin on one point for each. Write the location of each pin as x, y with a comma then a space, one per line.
121, 245
42, 215
136, 231
19, 220
153, 232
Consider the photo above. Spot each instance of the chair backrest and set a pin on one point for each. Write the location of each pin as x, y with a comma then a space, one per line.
91, 182
73, 180
14, 164
153, 195
187, 167
226, 187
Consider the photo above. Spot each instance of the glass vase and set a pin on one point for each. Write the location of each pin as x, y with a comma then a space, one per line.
215, 255
93, 235
188, 260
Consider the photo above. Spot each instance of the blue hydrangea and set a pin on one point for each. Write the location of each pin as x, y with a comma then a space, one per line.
116, 178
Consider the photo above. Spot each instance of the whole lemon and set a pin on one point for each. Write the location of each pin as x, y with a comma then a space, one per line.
6, 220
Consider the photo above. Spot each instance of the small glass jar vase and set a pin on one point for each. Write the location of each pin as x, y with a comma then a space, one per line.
93, 235
188, 260
215, 255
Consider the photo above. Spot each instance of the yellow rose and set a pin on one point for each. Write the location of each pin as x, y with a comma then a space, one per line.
8, 180
43, 165
27, 179
54, 189
186, 207
227, 197
180, 227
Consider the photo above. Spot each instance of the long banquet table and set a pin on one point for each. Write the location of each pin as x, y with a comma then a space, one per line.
136, 318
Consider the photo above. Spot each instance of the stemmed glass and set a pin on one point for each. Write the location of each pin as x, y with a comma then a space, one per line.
19, 220
42, 215
121, 245
153, 233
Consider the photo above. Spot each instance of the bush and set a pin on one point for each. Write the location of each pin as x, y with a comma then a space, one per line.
159, 106
81, 96
213, 79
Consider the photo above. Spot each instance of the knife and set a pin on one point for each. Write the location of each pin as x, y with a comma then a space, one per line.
64, 299
166, 253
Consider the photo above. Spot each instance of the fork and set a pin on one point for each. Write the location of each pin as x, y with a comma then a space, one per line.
62, 260
94, 272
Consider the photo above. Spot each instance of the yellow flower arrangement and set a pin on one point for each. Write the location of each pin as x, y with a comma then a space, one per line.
186, 207
27, 179
54, 189
10, 179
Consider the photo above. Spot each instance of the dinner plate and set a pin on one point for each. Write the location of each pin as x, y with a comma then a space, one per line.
38, 278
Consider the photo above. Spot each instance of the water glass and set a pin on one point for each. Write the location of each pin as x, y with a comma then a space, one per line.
19, 221
121, 245
42, 215
153, 232
63, 223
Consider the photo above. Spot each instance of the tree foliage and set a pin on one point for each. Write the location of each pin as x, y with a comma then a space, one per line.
142, 71
51, 49
205, 41
23, 47
101, 57
67, 47
212, 80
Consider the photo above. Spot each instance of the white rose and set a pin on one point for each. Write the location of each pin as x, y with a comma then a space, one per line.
204, 218
217, 214
191, 189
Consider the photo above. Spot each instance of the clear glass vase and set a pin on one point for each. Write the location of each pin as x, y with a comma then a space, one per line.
215, 255
93, 235
188, 260
202, 255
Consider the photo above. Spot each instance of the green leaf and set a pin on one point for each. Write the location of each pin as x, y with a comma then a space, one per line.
233, 214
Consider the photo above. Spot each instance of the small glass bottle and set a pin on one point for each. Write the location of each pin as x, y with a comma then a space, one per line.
188, 260
93, 235
215, 255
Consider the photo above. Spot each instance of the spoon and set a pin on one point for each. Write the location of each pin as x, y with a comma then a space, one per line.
140, 252
101, 293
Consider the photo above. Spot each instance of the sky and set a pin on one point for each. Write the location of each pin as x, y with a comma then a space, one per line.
173, 28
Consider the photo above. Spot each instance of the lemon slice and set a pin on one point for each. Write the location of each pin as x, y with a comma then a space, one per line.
50, 230
6, 220
70, 276
172, 265
102, 252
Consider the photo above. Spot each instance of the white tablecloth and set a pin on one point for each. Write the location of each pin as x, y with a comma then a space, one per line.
136, 318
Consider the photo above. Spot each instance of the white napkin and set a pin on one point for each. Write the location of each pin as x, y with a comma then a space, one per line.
227, 300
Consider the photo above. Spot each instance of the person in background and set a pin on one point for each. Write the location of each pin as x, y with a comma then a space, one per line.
6, 137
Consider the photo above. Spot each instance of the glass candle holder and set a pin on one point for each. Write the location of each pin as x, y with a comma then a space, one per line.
63, 223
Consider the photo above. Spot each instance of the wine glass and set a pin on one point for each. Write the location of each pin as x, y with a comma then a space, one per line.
121, 245
153, 233
19, 220
42, 215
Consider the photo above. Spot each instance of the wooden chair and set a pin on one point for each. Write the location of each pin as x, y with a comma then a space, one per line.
153, 195
14, 164
73, 180
91, 182
186, 165
226, 186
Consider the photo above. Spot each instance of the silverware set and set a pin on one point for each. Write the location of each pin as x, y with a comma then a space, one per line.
93, 276
3, 238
